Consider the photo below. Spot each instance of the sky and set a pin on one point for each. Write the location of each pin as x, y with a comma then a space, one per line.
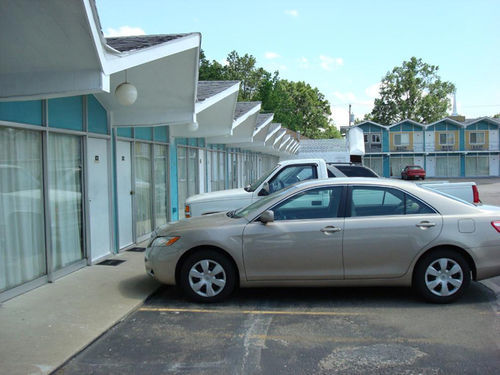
344, 48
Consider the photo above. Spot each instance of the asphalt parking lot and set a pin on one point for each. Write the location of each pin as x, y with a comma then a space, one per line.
304, 331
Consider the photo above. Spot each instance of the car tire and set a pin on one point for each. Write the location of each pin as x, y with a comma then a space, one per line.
207, 276
442, 276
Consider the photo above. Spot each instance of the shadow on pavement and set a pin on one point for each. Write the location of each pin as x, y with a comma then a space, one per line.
311, 298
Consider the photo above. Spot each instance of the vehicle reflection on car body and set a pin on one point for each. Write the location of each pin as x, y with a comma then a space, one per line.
337, 232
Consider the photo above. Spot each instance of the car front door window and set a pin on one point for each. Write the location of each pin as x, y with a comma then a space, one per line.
310, 204
290, 175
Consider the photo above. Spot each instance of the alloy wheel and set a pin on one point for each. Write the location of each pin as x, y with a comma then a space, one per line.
207, 278
444, 277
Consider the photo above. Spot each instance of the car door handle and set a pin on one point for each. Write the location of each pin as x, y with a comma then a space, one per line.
425, 224
330, 229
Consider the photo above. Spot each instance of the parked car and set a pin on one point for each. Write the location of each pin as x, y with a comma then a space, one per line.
413, 172
288, 172
333, 232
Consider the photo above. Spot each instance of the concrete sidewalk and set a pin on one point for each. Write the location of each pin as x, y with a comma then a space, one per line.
43, 328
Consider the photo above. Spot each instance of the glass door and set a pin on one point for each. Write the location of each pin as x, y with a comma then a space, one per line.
65, 199
22, 239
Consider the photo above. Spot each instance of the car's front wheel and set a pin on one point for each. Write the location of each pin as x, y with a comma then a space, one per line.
207, 276
442, 276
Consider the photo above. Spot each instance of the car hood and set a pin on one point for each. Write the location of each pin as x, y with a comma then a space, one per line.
222, 195
200, 222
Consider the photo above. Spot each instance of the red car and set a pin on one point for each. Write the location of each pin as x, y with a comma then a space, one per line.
413, 171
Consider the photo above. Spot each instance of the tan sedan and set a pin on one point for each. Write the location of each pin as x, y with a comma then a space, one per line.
337, 232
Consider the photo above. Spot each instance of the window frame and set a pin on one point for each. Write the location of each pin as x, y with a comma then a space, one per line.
448, 135
476, 133
401, 134
348, 202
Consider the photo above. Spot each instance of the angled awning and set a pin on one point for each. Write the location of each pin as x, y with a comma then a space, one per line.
245, 119
259, 133
215, 105
166, 86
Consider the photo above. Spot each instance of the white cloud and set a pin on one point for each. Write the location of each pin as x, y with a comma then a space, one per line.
292, 12
345, 97
271, 55
328, 62
340, 115
303, 63
373, 90
124, 31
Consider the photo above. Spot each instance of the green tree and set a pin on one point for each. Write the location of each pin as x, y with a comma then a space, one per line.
412, 91
303, 108
497, 115
296, 105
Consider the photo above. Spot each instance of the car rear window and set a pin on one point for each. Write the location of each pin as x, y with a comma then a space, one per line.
356, 171
416, 167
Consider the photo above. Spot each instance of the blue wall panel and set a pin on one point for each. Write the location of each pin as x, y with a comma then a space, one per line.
124, 132
97, 116
29, 112
143, 133
161, 133
66, 113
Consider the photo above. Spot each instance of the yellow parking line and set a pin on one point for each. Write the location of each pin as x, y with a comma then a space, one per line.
257, 312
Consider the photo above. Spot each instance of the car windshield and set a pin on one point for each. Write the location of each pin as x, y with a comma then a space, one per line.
257, 183
260, 203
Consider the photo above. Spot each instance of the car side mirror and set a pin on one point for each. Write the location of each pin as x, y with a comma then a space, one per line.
267, 217
265, 189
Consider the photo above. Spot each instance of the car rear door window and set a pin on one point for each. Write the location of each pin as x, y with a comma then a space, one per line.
310, 204
379, 201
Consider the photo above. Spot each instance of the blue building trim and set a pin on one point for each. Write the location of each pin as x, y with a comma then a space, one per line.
115, 194
386, 166
29, 112
174, 191
462, 165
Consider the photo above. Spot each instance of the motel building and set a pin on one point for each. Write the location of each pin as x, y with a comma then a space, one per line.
88, 170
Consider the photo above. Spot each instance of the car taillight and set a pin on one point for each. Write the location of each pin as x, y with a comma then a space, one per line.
475, 194
496, 225
187, 211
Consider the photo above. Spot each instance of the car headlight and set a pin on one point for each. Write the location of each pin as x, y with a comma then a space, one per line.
164, 241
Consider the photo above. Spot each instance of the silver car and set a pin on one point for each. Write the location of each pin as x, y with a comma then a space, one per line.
336, 232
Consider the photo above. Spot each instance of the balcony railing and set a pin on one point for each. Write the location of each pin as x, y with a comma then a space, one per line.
447, 147
477, 147
373, 147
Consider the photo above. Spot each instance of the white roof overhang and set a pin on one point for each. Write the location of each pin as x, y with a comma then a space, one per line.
278, 138
59, 50
166, 90
243, 127
259, 135
214, 115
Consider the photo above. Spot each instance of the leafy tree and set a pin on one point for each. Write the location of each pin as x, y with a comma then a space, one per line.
296, 105
412, 91
497, 115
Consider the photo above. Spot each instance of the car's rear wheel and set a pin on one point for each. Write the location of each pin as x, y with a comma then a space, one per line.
442, 276
207, 276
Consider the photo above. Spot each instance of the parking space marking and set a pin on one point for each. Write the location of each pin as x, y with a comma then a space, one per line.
256, 312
